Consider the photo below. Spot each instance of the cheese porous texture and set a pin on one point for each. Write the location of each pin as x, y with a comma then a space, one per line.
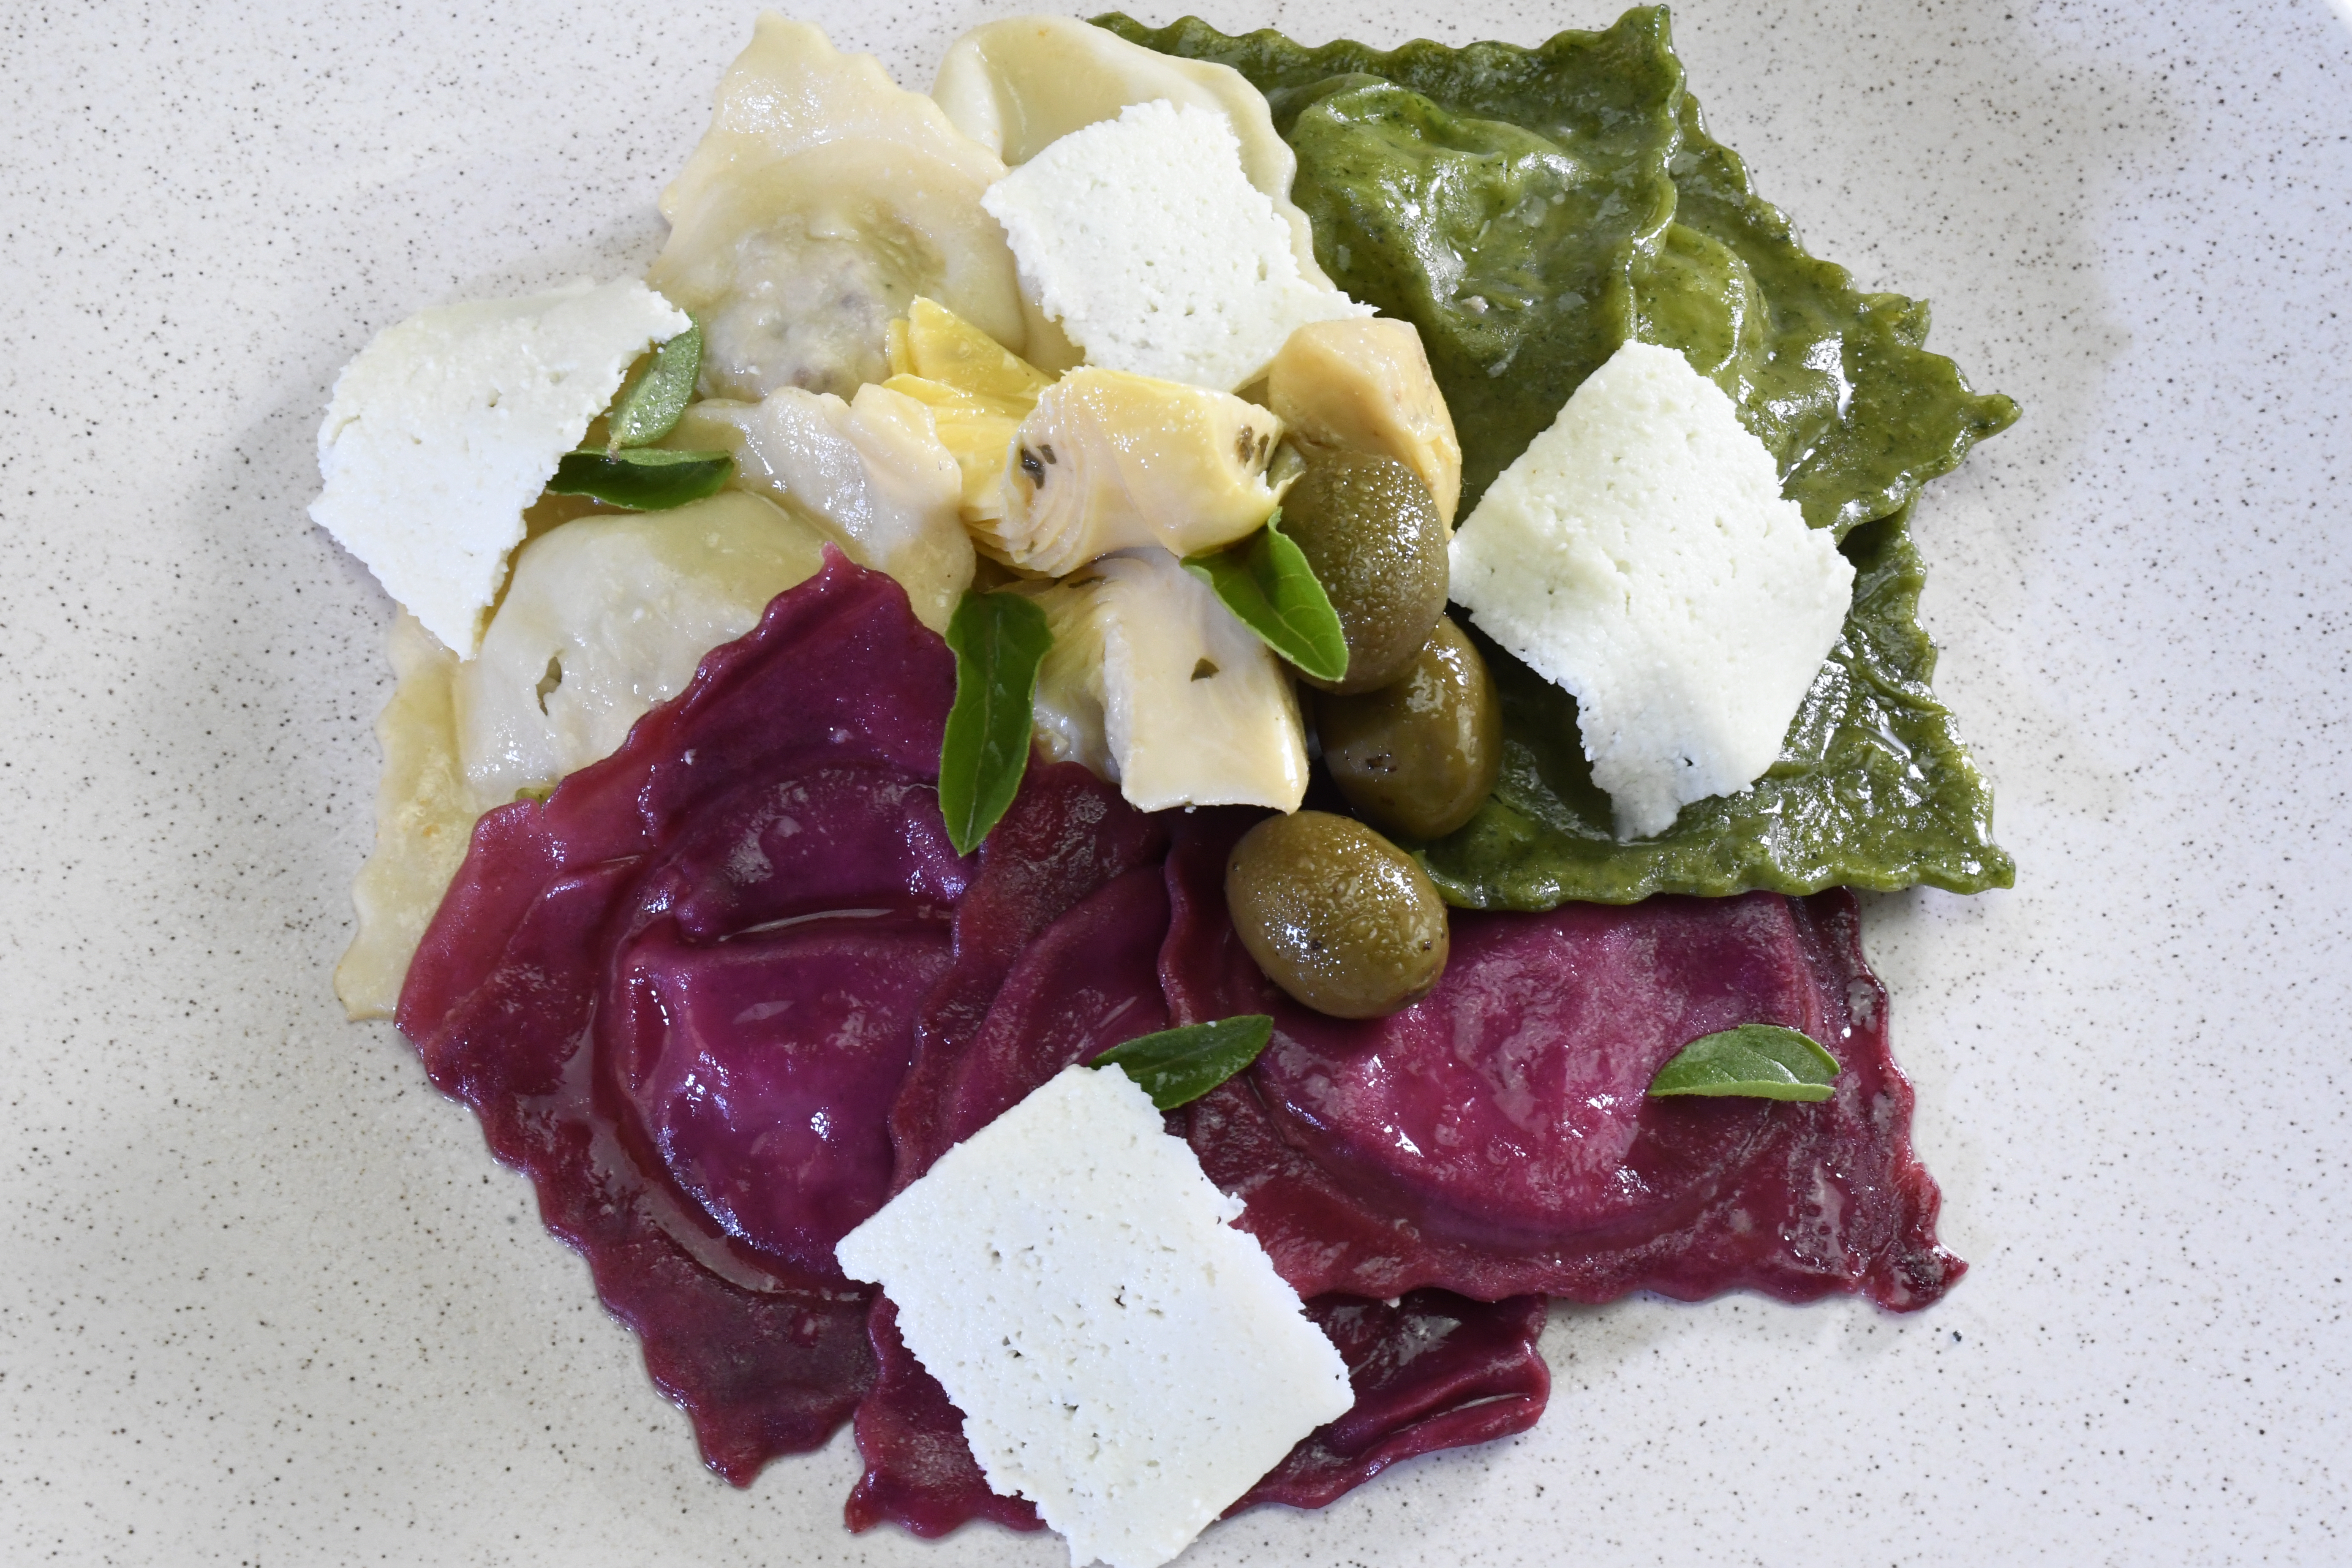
1145, 238
447, 426
1018, 85
1639, 554
1123, 1357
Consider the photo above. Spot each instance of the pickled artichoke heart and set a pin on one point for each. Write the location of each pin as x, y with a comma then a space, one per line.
1019, 85
606, 616
820, 202
1068, 709
1154, 685
1054, 473
1112, 461
1365, 385
423, 815
977, 390
978, 434
935, 343
870, 472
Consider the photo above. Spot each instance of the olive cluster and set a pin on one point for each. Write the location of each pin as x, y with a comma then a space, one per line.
1334, 912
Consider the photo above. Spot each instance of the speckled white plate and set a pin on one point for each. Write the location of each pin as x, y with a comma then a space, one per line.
264, 1298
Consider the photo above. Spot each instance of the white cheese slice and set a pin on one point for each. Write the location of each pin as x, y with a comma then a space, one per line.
1154, 684
1145, 237
1018, 84
445, 426
1123, 1357
1639, 553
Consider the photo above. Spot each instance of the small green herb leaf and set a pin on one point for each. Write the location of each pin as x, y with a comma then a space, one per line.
1761, 1061
1266, 583
998, 639
1177, 1067
644, 479
648, 407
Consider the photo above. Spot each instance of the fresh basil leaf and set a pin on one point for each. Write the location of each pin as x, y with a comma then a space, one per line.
1177, 1067
648, 407
644, 479
1266, 583
1760, 1062
999, 640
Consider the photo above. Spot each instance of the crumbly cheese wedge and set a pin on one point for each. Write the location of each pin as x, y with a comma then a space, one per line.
1152, 683
1123, 1357
1018, 85
449, 425
1639, 553
1143, 236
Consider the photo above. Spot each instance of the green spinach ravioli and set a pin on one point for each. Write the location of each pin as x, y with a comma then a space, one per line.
1529, 210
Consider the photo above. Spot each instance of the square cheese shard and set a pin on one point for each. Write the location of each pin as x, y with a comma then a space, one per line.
449, 425
1639, 553
1144, 237
1123, 1358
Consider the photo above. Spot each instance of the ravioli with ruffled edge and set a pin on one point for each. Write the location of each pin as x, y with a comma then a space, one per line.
1530, 209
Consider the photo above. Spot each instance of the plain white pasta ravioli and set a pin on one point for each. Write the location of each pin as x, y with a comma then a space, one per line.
424, 816
606, 616
821, 200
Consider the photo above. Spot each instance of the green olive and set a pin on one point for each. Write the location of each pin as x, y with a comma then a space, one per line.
1377, 546
1336, 915
1418, 757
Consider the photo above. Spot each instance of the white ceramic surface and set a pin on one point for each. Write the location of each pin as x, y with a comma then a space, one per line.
265, 1298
